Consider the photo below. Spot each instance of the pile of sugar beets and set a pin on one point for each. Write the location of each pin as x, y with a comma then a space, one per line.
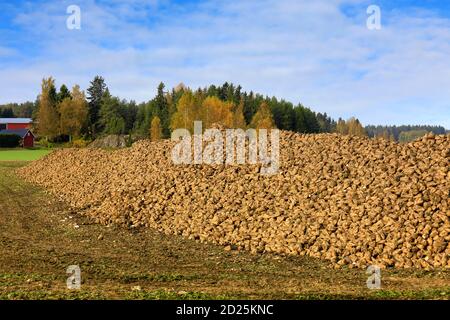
350, 200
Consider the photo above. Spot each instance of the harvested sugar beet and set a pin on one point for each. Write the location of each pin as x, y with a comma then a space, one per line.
350, 200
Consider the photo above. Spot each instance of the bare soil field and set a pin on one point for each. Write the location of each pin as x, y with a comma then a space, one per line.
40, 236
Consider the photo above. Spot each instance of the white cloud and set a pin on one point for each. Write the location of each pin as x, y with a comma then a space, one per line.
7, 52
304, 51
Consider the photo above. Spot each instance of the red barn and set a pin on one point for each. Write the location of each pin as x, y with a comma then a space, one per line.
25, 134
15, 123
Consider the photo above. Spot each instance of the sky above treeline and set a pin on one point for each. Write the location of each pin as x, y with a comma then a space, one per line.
319, 53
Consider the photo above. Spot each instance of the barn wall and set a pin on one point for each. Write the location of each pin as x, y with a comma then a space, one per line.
14, 126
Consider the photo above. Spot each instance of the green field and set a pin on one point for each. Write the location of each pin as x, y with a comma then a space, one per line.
22, 154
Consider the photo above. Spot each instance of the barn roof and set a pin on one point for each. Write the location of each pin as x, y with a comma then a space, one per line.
19, 132
15, 120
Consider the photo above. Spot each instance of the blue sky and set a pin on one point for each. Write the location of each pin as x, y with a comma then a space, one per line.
319, 53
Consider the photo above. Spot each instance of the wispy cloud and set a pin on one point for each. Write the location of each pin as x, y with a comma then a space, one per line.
319, 53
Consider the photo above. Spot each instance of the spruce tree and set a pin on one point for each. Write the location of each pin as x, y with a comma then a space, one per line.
95, 95
162, 110
111, 119
63, 93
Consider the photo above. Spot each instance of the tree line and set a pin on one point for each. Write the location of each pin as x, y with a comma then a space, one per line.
229, 106
18, 110
403, 133
64, 114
